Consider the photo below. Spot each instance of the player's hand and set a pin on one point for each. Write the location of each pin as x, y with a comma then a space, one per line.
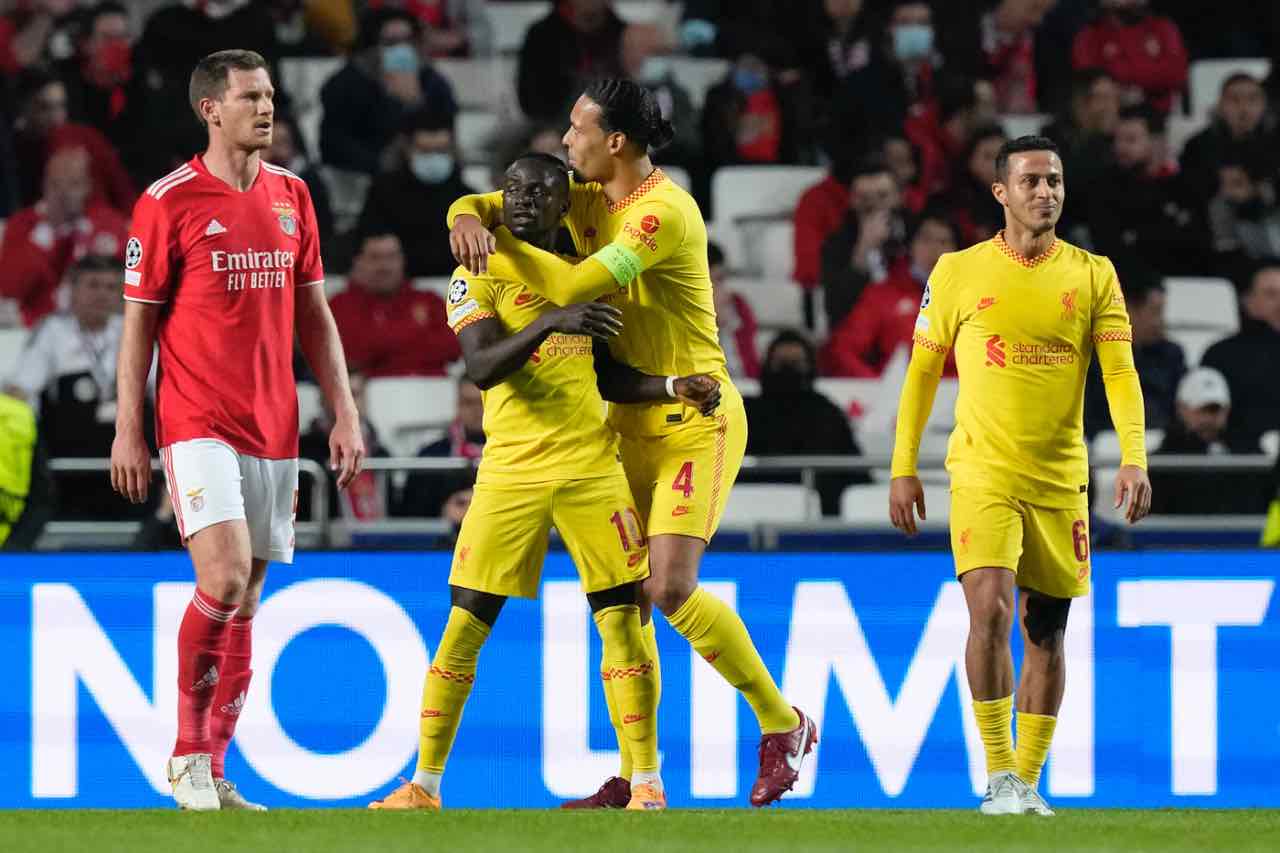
346, 450
905, 495
699, 391
590, 318
131, 466
472, 243
1132, 484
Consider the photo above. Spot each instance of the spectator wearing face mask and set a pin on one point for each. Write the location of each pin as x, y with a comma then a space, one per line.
386, 80
453, 27
871, 238
884, 318
791, 418
1203, 409
1141, 51
1241, 132
42, 241
750, 116
96, 78
411, 201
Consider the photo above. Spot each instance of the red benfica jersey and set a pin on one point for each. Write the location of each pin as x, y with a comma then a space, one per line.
225, 264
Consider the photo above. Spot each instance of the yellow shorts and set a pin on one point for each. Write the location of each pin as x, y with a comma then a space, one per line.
682, 479
503, 541
1046, 548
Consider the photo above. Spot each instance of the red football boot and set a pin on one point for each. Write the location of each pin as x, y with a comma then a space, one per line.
780, 758
615, 793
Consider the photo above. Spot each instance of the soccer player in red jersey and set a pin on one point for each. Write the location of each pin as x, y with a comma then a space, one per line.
221, 267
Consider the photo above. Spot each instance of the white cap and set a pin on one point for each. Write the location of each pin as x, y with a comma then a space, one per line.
1202, 387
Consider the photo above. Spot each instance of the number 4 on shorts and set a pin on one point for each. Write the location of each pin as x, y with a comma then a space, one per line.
683, 482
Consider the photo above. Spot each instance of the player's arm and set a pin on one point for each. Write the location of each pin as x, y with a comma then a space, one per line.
491, 355
470, 219
935, 332
318, 335
1113, 346
622, 383
130, 456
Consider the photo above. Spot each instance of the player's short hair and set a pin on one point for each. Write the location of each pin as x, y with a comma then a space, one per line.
1021, 145
1239, 77
545, 160
209, 78
92, 263
1145, 114
627, 107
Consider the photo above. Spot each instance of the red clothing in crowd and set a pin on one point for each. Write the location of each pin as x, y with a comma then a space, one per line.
1148, 54
1011, 66
35, 254
883, 319
738, 329
111, 182
404, 334
820, 211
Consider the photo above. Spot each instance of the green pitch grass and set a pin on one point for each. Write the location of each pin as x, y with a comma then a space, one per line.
704, 831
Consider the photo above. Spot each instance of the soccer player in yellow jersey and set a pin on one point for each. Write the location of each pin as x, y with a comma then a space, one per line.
1024, 312
550, 459
647, 247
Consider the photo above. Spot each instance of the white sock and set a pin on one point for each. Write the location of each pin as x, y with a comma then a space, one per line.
653, 778
427, 781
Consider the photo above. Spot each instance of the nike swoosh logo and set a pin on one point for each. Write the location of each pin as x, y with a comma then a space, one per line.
524, 298
711, 658
680, 510
796, 759
633, 718
432, 712
634, 558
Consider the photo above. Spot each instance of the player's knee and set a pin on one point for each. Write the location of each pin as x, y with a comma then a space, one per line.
1046, 622
992, 620
669, 591
226, 578
485, 606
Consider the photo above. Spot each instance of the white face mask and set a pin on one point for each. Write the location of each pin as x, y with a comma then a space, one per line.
431, 167
656, 68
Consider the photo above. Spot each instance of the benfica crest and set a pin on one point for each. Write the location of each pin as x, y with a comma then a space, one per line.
287, 217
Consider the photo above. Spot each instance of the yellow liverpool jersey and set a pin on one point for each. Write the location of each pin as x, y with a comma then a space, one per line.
1024, 332
648, 257
546, 421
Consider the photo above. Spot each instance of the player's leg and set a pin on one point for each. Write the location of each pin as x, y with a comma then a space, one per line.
986, 537
500, 552
696, 468
204, 484
604, 536
1055, 568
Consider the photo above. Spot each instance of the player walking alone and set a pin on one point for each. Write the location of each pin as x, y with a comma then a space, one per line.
648, 256
221, 268
1025, 312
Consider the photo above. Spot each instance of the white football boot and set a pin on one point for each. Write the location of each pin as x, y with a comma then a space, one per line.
1033, 803
192, 779
1004, 794
231, 798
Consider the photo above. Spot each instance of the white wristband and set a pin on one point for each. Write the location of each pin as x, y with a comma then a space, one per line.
671, 387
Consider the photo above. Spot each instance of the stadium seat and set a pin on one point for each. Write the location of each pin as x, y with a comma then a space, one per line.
511, 20
1103, 487
11, 343
743, 193
753, 503
644, 11
1105, 448
855, 397
697, 75
1207, 76
480, 84
347, 191
775, 301
479, 178
1270, 442
769, 249
868, 503
1194, 342
1201, 303
439, 285
1023, 124
310, 403
302, 78
476, 133
402, 408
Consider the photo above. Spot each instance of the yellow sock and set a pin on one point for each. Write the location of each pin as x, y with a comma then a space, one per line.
995, 722
717, 633
1035, 733
615, 717
630, 673
447, 686
651, 649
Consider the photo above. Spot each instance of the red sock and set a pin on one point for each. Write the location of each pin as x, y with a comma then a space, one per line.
228, 701
201, 639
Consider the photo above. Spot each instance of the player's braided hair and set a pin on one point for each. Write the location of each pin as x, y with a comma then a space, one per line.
629, 108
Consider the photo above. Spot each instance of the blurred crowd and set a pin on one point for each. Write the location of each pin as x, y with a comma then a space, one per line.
903, 103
